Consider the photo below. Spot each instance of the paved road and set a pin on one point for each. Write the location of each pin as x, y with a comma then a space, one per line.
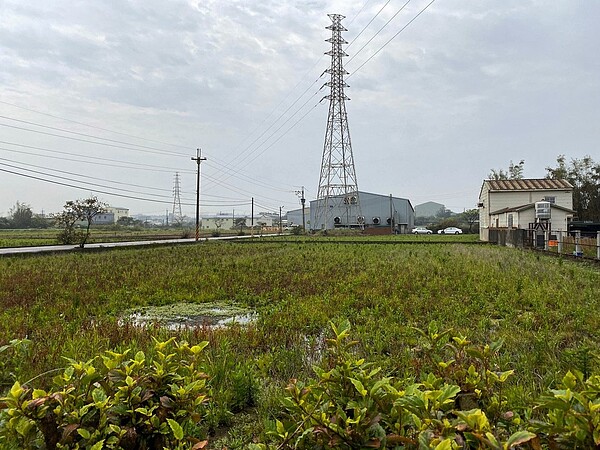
65, 248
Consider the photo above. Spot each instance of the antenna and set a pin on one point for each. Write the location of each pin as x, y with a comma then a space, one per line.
338, 187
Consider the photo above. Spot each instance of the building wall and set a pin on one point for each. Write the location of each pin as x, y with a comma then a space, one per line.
294, 217
215, 223
118, 212
228, 222
428, 209
375, 208
103, 219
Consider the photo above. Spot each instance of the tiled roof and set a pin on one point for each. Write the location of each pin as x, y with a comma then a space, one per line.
528, 184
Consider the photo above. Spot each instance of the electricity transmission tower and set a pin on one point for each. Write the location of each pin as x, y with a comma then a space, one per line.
177, 215
337, 198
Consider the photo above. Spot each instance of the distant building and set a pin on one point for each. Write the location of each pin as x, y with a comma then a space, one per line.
294, 217
377, 211
429, 209
511, 204
229, 221
118, 212
111, 215
106, 218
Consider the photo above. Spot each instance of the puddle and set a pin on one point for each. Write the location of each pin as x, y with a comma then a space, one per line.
189, 315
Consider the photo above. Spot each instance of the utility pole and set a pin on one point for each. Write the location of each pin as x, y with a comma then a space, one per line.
280, 223
391, 216
252, 219
198, 160
302, 202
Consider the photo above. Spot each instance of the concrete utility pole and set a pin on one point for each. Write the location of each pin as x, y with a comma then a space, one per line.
198, 160
280, 224
302, 202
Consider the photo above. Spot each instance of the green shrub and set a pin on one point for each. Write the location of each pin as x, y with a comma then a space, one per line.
351, 405
144, 402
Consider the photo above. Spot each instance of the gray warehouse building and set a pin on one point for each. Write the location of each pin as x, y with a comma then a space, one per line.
376, 211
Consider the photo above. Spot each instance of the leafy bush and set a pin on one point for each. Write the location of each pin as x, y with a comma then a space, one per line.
351, 405
144, 402
16, 350
572, 413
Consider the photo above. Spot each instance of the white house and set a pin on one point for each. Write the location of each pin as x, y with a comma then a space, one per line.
511, 204
118, 212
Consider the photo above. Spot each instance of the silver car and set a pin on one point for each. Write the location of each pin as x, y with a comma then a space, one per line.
421, 230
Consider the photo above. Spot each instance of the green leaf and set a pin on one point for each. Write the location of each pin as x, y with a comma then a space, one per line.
98, 445
518, 438
446, 444
198, 348
84, 433
16, 390
280, 428
569, 380
359, 387
448, 392
176, 428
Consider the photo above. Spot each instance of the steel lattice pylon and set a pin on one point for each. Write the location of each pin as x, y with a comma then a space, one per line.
177, 214
338, 188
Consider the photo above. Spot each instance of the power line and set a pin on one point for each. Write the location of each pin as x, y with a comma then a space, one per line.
88, 141
76, 175
86, 188
86, 135
380, 30
392, 38
129, 165
370, 21
92, 126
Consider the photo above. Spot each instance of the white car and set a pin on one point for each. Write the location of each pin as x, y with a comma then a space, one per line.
450, 230
421, 230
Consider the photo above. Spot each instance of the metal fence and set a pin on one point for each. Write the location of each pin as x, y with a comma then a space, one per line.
559, 242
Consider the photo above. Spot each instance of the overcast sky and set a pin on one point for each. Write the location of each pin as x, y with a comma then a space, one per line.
134, 87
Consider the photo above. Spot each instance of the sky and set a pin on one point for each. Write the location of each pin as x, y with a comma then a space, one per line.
113, 98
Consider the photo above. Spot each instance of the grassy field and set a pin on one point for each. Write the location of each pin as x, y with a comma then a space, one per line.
545, 309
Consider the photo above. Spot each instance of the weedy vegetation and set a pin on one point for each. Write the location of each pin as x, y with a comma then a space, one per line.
445, 345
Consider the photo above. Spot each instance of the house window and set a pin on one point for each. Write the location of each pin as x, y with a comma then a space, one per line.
510, 221
550, 199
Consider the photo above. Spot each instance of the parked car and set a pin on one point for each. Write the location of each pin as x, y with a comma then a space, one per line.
421, 230
450, 230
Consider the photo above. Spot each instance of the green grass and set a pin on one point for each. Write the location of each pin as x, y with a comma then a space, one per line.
545, 308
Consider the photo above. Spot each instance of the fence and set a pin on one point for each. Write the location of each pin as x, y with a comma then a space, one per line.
559, 242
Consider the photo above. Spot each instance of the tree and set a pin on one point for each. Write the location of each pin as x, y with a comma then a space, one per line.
75, 211
21, 215
584, 175
470, 216
443, 213
515, 172
128, 221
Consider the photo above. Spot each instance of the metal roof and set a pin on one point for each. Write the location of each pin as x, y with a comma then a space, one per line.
526, 207
528, 184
